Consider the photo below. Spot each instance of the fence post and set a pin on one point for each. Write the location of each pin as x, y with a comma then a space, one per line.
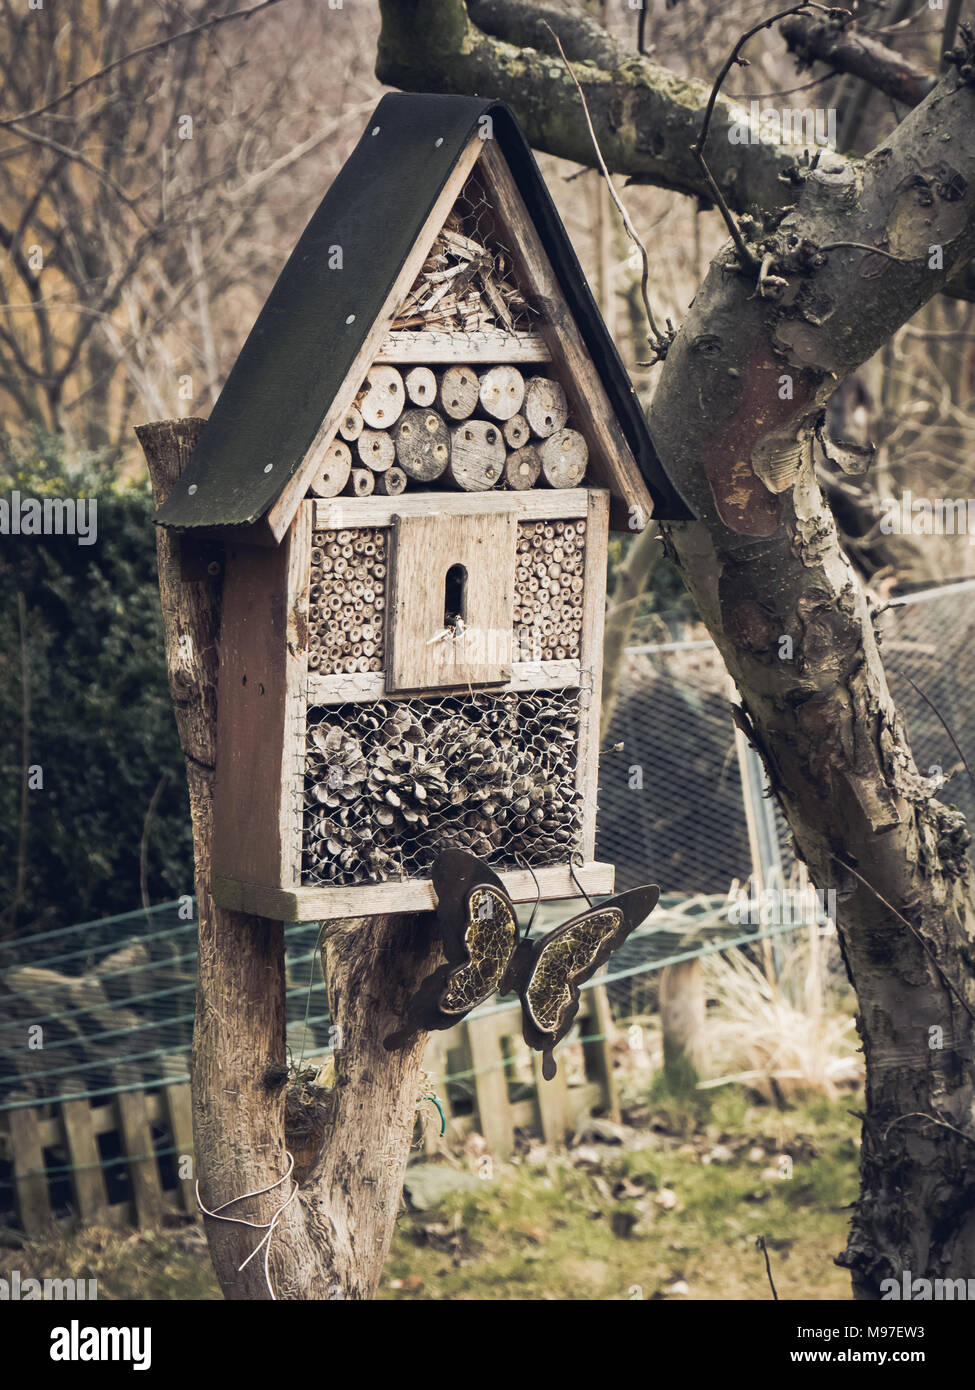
598, 1053
141, 1158
30, 1179
682, 1010
490, 1084
87, 1177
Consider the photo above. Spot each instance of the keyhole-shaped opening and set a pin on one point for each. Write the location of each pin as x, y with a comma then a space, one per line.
455, 596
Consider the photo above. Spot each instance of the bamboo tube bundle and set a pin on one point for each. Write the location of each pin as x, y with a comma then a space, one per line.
549, 583
346, 602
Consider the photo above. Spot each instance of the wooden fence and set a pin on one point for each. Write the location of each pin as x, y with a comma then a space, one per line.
57, 1148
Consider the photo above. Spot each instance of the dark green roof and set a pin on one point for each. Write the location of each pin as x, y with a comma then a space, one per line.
315, 319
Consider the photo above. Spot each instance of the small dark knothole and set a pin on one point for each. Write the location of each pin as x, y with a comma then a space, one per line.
275, 1076
455, 596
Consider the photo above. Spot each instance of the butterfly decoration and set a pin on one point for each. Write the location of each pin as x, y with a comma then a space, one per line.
486, 953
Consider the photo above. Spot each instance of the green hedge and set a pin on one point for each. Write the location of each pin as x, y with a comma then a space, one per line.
101, 725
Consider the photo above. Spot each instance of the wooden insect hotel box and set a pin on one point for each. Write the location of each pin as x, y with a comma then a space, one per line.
412, 470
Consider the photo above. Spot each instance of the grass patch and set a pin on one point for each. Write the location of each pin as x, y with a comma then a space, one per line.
681, 1208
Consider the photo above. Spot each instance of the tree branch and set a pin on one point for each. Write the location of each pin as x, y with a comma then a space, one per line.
813, 39
154, 47
647, 116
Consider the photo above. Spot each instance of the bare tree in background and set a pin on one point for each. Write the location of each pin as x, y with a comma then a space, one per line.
138, 233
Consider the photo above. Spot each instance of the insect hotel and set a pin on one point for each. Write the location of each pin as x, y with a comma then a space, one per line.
413, 468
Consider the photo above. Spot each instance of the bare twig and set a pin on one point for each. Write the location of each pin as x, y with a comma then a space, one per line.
912, 929
864, 246
154, 47
952, 12
697, 149
760, 1242
944, 724
660, 339
146, 832
923, 1115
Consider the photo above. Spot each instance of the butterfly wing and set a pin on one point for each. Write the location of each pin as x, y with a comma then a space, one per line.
479, 930
549, 974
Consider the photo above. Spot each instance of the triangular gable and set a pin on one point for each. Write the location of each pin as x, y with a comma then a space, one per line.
328, 318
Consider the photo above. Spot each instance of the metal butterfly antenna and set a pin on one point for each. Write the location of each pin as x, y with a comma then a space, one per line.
572, 870
538, 894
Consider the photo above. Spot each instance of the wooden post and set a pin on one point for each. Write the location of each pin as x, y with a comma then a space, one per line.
179, 1108
30, 1179
91, 1197
553, 1103
598, 1052
239, 1058
682, 1012
141, 1164
490, 1084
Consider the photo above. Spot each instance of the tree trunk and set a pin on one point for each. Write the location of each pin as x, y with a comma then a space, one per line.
783, 604
734, 418
332, 1239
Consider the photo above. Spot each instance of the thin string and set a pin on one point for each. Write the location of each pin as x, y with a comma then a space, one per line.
267, 1226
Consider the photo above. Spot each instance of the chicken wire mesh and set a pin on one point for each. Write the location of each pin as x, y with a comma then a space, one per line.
389, 784
671, 802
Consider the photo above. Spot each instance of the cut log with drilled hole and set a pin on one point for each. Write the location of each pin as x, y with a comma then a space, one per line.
501, 392
376, 450
422, 444
333, 473
351, 426
457, 393
516, 432
564, 459
522, 467
421, 386
545, 407
477, 455
392, 482
362, 483
382, 398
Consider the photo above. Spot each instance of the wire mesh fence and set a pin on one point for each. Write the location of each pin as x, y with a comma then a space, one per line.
672, 803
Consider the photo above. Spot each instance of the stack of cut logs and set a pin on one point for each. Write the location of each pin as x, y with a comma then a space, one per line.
548, 589
347, 596
454, 428
463, 286
390, 784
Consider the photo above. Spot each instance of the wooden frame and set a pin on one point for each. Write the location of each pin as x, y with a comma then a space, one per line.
263, 681
263, 718
409, 895
591, 663
266, 687
408, 346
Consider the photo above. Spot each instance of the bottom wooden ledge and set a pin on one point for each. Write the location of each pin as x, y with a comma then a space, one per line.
414, 895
